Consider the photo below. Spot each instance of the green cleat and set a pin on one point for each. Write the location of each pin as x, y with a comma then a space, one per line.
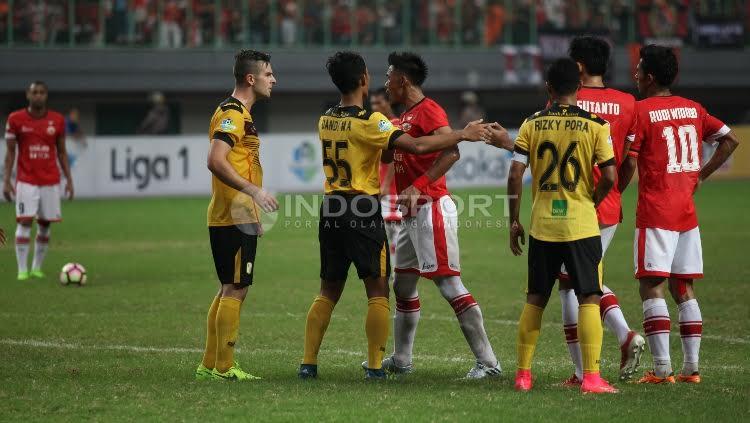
37, 274
234, 373
203, 373
22, 276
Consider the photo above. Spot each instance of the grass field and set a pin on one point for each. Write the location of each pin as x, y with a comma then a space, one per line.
126, 346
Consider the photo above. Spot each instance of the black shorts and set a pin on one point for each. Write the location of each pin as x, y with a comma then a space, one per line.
234, 253
352, 230
581, 258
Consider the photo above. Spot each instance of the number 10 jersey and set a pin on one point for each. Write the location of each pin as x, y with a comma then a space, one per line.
668, 145
561, 144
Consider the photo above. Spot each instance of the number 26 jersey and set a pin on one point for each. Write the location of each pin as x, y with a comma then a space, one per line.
561, 144
668, 145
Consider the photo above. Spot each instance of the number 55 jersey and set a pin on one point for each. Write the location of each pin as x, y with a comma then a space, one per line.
561, 144
668, 146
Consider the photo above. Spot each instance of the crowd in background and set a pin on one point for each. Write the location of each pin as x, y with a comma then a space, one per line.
197, 23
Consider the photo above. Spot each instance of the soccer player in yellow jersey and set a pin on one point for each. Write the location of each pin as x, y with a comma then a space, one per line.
351, 228
237, 197
560, 144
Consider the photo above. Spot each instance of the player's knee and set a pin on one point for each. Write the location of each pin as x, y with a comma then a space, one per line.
234, 291
538, 300
651, 288
450, 287
405, 285
681, 290
331, 290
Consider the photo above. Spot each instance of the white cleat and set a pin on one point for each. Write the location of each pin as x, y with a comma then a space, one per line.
630, 354
390, 366
480, 371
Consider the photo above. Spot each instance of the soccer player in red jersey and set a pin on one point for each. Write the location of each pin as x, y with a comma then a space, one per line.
427, 244
668, 151
388, 193
618, 108
39, 136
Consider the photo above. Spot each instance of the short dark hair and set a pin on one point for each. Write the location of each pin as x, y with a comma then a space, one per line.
661, 62
411, 65
246, 61
346, 68
592, 52
39, 82
562, 76
382, 92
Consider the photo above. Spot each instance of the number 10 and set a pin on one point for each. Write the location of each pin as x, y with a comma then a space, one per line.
689, 159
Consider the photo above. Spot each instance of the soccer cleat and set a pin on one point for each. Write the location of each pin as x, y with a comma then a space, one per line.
375, 374
523, 380
480, 371
389, 365
571, 382
594, 384
308, 371
631, 352
203, 373
22, 276
650, 377
234, 373
37, 274
694, 378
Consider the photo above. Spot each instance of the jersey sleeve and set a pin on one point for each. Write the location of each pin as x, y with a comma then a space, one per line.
713, 128
380, 132
434, 119
11, 130
638, 135
603, 153
521, 146
230, 127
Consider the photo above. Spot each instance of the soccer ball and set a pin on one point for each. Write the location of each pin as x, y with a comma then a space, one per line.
73, 273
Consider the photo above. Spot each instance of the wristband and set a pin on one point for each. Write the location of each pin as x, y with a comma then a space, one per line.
421, 183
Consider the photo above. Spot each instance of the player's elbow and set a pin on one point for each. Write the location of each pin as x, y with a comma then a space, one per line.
213, 163
608, 178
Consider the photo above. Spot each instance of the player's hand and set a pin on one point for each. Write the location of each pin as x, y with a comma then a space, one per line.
475, 131
408, 199
69, 192
266, 201
2, 237
8, 191
499, 137
516, 233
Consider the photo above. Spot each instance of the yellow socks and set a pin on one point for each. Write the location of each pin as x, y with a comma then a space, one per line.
528, 332
590, 335
209, 355
376, 327
227, 327
317, 323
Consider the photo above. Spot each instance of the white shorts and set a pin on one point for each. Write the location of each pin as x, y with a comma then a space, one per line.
607, 233
40, 202
427, 243
660, 253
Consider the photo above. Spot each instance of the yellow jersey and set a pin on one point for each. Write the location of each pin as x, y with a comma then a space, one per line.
561, 145
352, 140
233, 124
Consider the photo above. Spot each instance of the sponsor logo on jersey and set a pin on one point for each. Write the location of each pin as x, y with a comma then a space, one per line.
560, 208
51, 130
26, 129
249, 268
406, 126
385, 125
227, 125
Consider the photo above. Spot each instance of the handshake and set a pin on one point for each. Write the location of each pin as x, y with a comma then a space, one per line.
489, 133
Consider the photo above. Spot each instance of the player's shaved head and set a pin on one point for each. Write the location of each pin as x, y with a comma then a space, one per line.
249, 62
37, 84
562, 76
36, 94
592, 53
660, 62
409, 64
346, 69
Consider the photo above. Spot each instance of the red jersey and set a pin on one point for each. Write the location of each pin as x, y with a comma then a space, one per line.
422, 119
390, 210
36, 139
617, 108
669, 148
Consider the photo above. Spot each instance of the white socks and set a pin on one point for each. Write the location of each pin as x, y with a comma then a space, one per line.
691, 328
612, 316
569, 303
407, 316
40, 246
656, 325
23, 238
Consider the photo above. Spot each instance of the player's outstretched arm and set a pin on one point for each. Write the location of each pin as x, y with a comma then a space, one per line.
727, 144
499, 137
606, 182
222, 169
515, 188
10, 158
474, 131
62, 158
626, 172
